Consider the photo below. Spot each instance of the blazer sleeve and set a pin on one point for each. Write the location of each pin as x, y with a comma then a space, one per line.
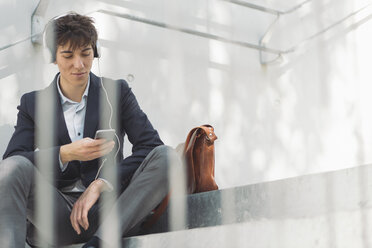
141, 134
22, 141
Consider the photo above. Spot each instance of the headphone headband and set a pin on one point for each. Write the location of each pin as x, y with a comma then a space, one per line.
49, 53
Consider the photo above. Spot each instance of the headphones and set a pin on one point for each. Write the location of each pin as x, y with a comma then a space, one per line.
49, 50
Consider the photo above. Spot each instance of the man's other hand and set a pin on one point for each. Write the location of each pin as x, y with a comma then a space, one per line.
85, 149
79, 213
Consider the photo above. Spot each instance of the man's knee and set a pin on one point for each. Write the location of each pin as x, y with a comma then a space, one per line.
164, 159
166, 155
15, 169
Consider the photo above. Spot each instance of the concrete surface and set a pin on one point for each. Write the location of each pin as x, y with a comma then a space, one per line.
322, 210
301, 197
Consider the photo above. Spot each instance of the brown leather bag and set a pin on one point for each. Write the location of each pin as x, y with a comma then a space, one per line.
198, 154
199, 157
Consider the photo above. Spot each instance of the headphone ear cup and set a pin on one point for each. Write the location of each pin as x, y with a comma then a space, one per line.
97, 50
47, 54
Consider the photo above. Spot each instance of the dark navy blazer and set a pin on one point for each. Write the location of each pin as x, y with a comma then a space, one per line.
130, 120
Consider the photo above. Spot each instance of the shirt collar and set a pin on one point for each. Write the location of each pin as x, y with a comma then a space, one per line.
64, 99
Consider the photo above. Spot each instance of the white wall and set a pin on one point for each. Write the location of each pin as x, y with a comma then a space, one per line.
308, 113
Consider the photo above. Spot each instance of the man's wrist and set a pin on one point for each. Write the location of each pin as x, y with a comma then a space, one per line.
64, 155
108, 185
101, 185
63, 166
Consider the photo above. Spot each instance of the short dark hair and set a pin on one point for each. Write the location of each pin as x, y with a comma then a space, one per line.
73, 28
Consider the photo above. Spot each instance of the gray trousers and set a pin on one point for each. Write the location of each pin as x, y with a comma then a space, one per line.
147, 188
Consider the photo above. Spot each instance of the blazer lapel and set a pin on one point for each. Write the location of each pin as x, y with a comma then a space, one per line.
63, 135
92, 112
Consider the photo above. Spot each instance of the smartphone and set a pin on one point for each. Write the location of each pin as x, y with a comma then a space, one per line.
107, 134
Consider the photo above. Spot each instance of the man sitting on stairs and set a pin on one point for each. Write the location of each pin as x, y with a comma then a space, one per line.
78, 182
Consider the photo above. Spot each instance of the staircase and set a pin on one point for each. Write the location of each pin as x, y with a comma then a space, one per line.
330, 209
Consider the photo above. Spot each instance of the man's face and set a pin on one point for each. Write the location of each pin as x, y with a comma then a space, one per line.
74, 65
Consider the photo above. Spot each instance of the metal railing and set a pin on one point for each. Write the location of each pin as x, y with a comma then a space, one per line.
265, 9
38, 26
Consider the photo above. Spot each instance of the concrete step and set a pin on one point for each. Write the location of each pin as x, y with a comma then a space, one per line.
301, 197
330, 209
337, 229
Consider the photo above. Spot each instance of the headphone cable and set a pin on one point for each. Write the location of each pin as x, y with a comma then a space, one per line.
110, 120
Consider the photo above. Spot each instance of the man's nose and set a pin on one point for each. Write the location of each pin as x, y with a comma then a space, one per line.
78, 62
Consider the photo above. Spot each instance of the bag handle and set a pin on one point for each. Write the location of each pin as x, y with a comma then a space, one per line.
209, 131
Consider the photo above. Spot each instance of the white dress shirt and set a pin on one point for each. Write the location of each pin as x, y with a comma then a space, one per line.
74, 113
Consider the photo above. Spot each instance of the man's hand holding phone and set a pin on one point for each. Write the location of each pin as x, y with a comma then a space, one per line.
88, 149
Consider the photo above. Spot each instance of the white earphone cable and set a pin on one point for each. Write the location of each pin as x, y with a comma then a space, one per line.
110, 120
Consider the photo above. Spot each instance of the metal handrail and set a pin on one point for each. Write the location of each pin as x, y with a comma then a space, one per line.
265, 9
37, 25
219, 38
189, 31
211, 36
332, 26
17, 42
38, 22
264, 38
